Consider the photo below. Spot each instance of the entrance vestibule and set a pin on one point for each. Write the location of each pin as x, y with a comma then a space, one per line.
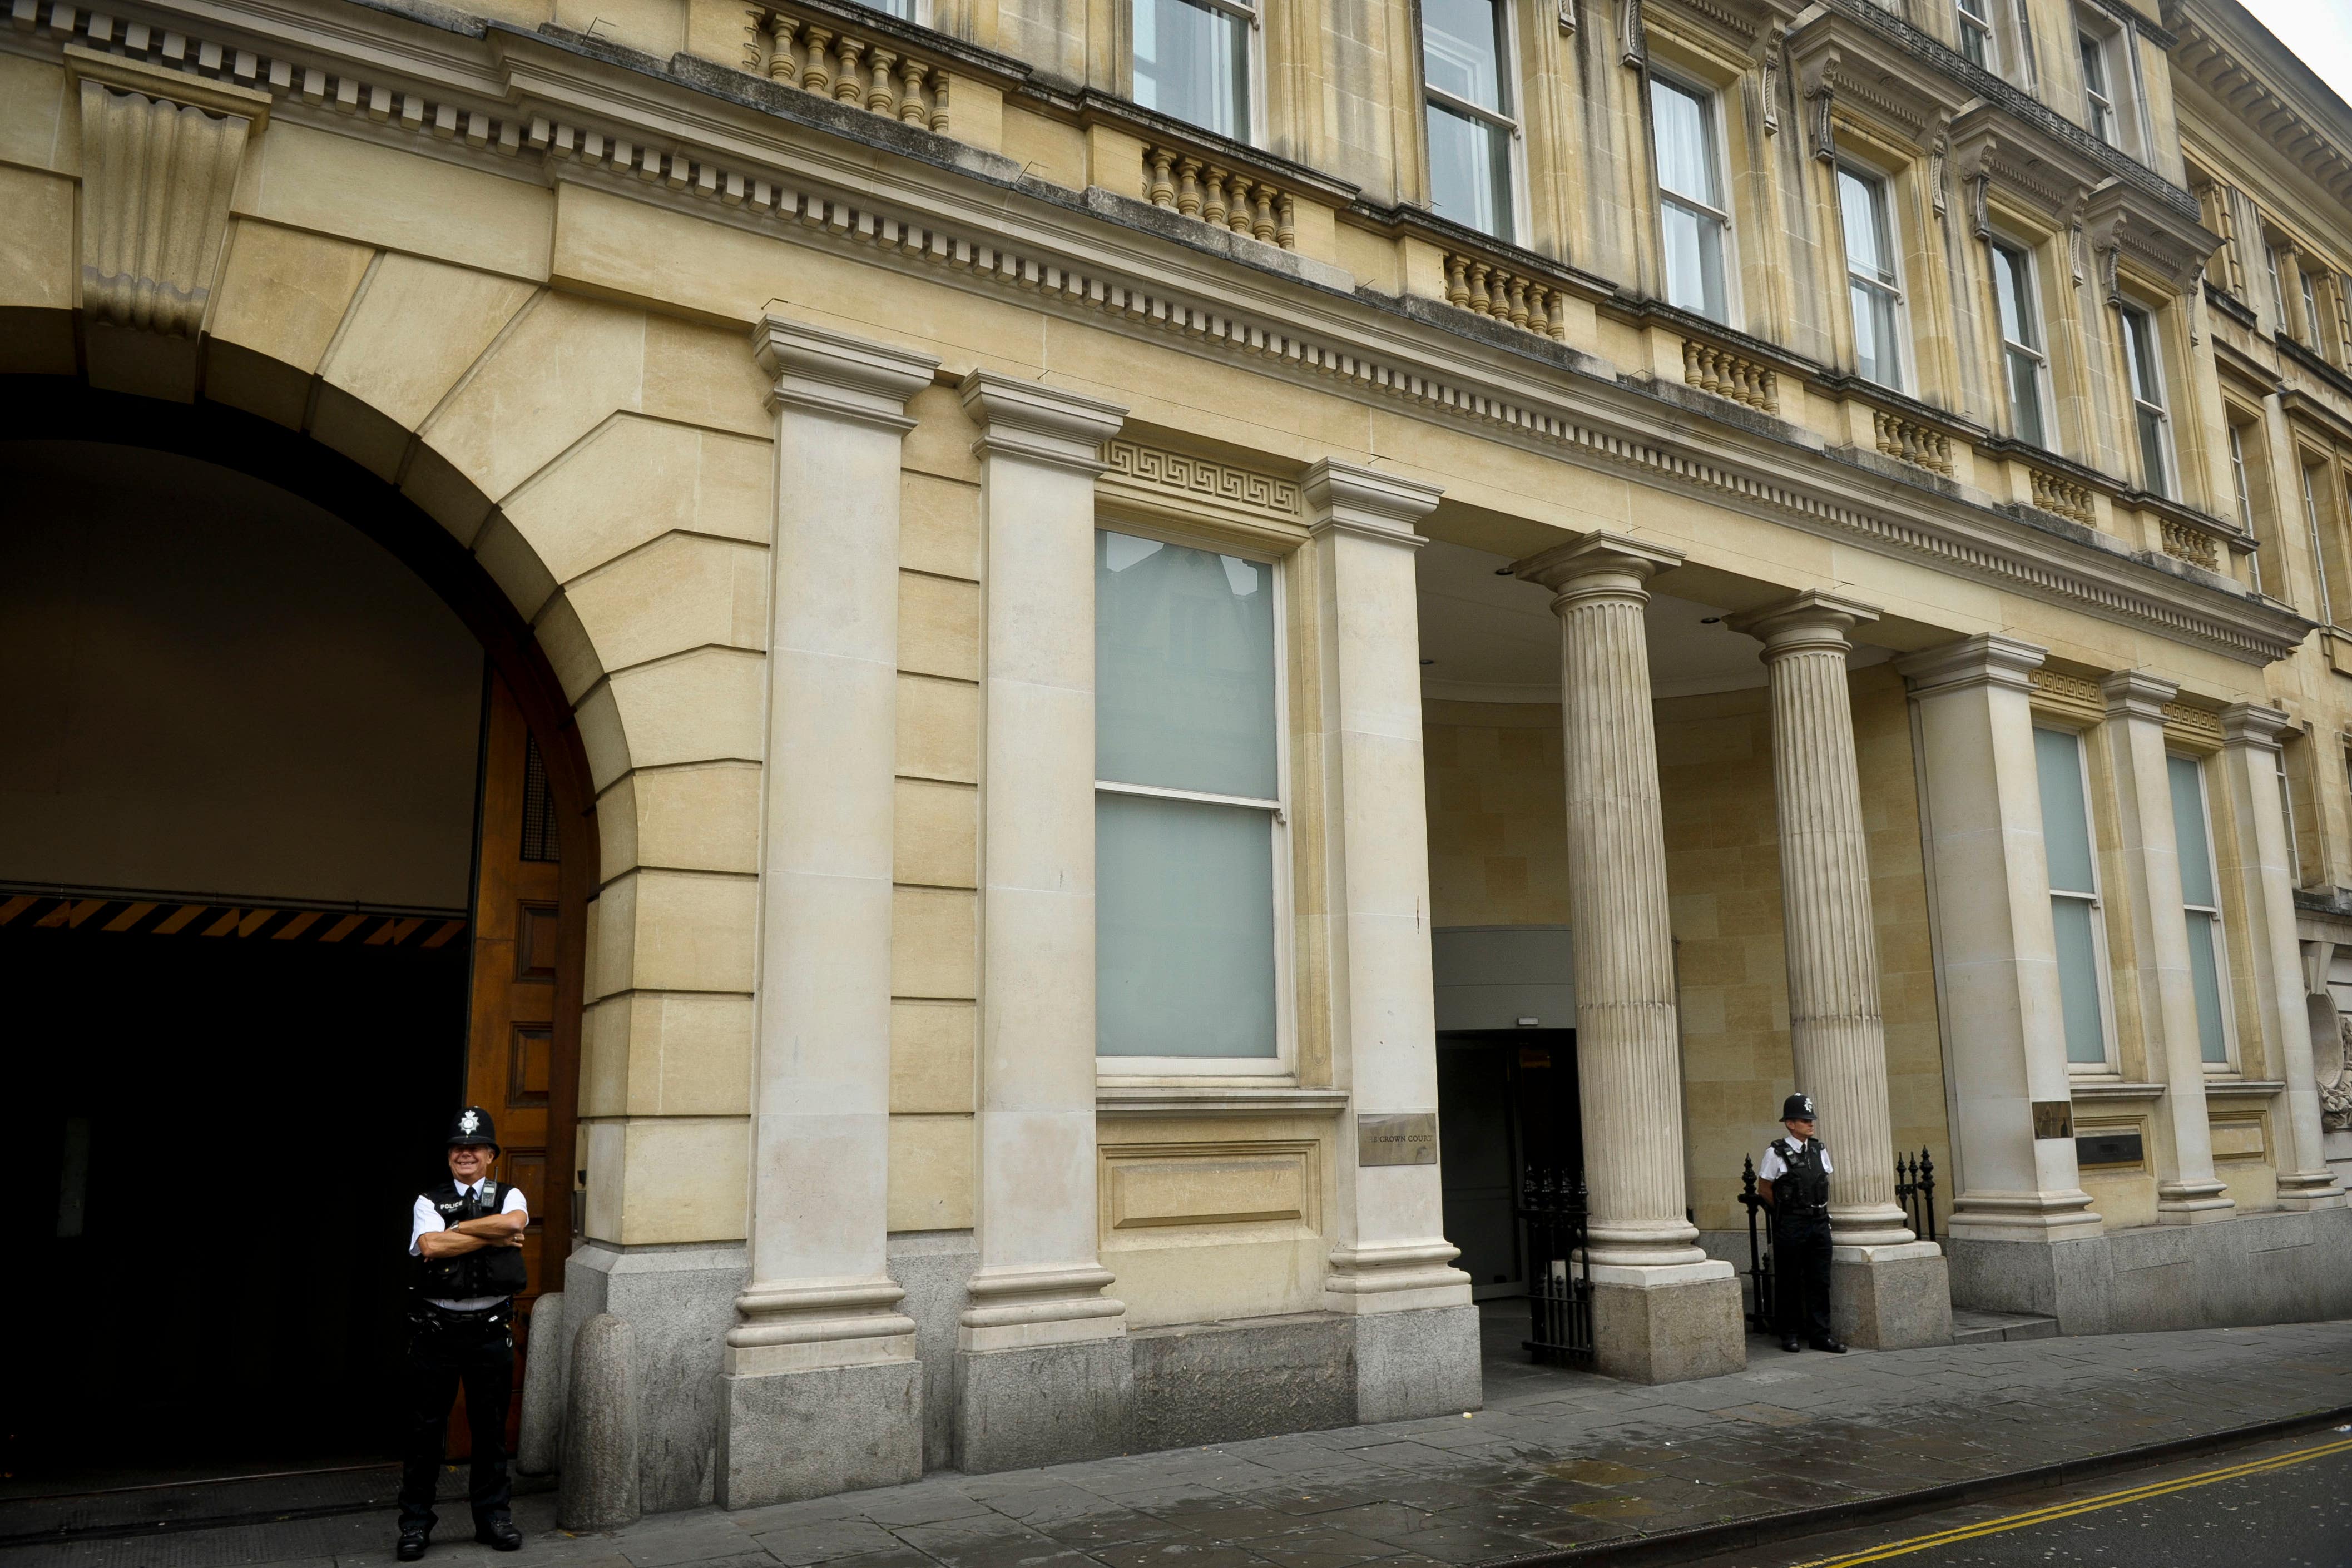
266, 921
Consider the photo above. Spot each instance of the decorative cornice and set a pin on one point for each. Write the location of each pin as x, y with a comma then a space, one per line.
2197, 726
2136, 694
2252, 724
2073, 696
737, 150
1038, 424
1986, 659
838, 376
1197, 483
1354, 499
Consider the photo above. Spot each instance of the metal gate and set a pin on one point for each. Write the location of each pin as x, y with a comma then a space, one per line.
1559, 1283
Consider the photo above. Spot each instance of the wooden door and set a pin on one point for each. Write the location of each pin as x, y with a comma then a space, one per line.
521, 956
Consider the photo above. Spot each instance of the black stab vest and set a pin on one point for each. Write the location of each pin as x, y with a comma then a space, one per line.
1803, 1191
486, 1271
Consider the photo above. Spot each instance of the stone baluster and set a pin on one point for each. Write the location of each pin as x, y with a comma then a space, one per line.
816, 72
1661, 1309
910, 91
880, 96
847, 85
781, 64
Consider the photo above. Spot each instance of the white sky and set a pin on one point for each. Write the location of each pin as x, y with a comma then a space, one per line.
2318, 30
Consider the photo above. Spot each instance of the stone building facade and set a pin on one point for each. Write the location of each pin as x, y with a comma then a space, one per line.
1097, 586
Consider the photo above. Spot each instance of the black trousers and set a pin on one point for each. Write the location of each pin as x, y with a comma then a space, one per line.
1801, 1268
446, 1349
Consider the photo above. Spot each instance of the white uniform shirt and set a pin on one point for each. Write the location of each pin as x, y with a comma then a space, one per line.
1772, 1167
424, 1218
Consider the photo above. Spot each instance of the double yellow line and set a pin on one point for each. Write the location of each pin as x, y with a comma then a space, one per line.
2088, 1505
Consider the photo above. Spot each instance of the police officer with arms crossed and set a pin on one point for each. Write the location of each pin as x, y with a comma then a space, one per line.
1794, 1178
465, 1235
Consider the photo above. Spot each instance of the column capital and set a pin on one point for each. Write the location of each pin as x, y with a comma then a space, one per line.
2136, 694
1810, 620
831, 373
1044, 424
2253, 725
1600, 560
1368, 502
1985, 659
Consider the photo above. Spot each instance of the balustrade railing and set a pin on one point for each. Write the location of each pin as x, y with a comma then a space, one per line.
1735, 376
1908, 441
831, 61
1223, 198
1481, 287
2064, 497
2192, 545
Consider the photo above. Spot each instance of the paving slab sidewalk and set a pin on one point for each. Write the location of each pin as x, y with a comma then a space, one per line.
1555, 1458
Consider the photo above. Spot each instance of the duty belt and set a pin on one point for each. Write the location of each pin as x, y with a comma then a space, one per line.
425, 1314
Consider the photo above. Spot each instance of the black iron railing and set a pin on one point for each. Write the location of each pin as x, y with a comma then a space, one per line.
1559, 1285
1759, 1251
1915, 1189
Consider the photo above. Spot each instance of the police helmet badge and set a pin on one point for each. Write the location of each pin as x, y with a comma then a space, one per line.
469, 1121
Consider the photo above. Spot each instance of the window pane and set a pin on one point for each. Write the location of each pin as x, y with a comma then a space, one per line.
2187, 783
2139, 344
1694, 260
2012, 276
902, 10
1866, 247
2065, 824
2078, 980
1875, 357
1183, 668
2151, 452
2205, 978
2025, 396
1183, 928
1462, 50
1686, 144
1470, 172
1193, 62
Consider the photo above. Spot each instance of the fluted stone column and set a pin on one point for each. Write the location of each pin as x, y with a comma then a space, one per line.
1416, 1332
1042, 1371
2022, 1236
2265, 860
1663, 1310
822, 1390
1889, 1289
2187, 1191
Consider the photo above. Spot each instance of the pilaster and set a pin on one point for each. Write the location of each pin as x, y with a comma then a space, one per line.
1996, 953
1388, 1250
2148, 855
822, 1390
2252, 776
1039, 1378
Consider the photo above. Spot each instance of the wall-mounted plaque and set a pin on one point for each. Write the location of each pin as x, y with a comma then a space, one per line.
1397, 1138
2110, 1149
2054, 1118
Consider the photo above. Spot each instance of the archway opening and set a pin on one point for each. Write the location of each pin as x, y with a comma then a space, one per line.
296, 840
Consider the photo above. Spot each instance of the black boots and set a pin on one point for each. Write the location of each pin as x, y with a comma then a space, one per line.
1833, 1346
498, 1532
1791, 1344
413, 1540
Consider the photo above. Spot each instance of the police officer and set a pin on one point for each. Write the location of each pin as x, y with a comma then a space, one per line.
465, 1235
1794, 1177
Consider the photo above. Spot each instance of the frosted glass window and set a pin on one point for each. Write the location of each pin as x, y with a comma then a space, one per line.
2200, 903
1183, 928
1466, 88
1871, 279
1187, 804
1691, 210
1183, 668
1192, 61
2074, 894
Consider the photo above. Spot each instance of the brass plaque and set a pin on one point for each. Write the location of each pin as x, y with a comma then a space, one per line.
2054, 1118
1397, 1138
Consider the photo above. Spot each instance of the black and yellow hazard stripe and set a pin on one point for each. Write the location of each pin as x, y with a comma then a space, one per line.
193, 916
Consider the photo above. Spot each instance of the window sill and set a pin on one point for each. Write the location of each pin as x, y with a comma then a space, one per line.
1215, 1099
2244, 1088
2100, 1091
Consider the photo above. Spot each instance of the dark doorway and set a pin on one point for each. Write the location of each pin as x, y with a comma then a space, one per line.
215, 1142
1506, 1104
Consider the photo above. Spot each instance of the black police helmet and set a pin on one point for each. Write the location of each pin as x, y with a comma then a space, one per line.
472, 1126
1797, 1108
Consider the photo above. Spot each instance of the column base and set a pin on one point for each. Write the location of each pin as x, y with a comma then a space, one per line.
2314, 1189
2071, 1280
784, 1435
1423, 1361
1670, 1325
1890, 1298
1042, 1405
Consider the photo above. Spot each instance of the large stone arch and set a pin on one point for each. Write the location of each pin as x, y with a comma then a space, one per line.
589, 485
